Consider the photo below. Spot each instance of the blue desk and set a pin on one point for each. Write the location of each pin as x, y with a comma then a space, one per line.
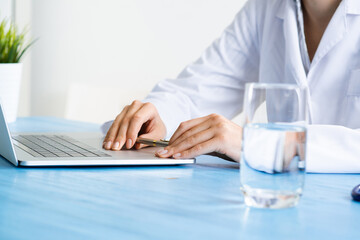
199, 201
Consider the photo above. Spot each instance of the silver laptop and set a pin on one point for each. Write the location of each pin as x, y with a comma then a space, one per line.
71, 149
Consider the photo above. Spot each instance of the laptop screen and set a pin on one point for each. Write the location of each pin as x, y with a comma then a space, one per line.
6, 146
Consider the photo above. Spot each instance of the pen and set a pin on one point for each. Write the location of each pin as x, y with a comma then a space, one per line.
152, 142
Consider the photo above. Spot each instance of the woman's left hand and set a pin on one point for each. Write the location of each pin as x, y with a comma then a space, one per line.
213, 133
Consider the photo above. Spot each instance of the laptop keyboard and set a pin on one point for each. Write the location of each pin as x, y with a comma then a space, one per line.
55, 146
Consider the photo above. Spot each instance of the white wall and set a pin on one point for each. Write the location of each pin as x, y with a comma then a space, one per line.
123, 46
5, 9
22, 15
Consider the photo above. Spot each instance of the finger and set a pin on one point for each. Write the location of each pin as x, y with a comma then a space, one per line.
290, 149
144, 114
151, 135
199, 149
121, 135
184, 126
301, 145
113, 130
139, 146
192, 131
188, 143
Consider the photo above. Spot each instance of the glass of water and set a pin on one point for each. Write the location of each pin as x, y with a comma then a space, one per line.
272, 166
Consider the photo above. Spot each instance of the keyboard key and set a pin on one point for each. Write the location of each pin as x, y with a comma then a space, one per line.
55, 146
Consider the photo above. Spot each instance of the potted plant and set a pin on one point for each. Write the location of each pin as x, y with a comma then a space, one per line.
12, 49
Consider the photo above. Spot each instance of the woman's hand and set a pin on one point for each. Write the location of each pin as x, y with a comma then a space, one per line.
213, 133
138, 119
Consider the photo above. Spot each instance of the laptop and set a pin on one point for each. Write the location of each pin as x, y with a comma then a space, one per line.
71, 149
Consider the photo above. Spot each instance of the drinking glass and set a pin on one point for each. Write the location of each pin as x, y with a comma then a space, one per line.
272, 166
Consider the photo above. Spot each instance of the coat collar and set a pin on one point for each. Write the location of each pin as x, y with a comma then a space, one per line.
351, 7
334, 33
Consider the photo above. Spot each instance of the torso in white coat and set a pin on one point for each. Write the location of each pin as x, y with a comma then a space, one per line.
333, 76
265, 43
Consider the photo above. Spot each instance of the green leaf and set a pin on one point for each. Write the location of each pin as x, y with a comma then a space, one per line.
24, 50
12, 43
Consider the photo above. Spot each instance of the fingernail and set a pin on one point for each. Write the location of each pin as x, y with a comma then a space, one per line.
176, 155
162, 152
108, 145
116, 146
129, 143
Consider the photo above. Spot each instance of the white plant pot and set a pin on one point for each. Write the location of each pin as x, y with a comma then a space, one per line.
10, 79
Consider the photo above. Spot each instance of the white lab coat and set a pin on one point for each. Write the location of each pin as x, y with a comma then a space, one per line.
263, 44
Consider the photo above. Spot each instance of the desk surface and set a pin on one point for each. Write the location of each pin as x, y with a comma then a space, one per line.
201, 201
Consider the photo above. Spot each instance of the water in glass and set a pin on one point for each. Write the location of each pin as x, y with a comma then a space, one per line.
272, 164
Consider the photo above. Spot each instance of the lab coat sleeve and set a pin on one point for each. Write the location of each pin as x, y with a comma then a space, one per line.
332, 149
215, 82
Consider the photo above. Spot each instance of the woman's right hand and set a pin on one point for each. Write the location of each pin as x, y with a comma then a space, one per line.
138, 119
